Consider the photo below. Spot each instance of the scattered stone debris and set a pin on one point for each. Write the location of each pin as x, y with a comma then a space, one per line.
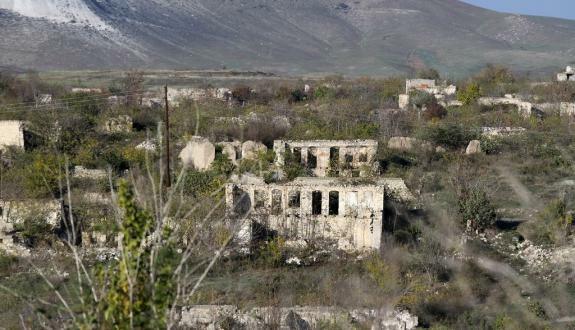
78, 90
222, 317
80, 172
549, 264
501, 131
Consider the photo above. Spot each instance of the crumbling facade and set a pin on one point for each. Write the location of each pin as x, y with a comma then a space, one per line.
329, 157
347, 212
11, 134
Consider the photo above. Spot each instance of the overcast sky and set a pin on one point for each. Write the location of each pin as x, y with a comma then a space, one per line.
556, 8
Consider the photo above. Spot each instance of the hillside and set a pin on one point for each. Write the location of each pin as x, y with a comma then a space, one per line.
290, 36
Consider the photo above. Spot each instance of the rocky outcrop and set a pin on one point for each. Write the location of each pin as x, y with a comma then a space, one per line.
297, 318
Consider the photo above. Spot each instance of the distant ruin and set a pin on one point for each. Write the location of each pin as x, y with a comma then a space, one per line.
353, 158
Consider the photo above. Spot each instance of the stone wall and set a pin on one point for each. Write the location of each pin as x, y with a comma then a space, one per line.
11, 134
344, 158
350, 213
222, 317
525, 109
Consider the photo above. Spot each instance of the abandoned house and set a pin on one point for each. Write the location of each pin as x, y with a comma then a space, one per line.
351, 158
349, 213
12, 134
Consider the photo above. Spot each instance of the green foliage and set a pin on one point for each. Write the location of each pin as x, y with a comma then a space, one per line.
293, 168
450, 135
554, 224
476, 210
469, 94
421, 99
43, 175
33, 229
271, 254
428, 73
139, 288
382, 273
201, 184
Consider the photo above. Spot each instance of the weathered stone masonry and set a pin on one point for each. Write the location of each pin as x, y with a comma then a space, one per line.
347, 212
350, 158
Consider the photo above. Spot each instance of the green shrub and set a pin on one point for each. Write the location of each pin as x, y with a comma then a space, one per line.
469, 94
477, 212
450, 135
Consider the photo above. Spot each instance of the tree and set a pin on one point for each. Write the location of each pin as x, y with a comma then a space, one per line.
428, 73
138, 288
469, 94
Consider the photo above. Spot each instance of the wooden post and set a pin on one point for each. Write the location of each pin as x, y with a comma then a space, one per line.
167, 120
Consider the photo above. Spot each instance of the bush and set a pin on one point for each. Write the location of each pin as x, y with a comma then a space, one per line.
435, 111
477, 212
469, 94
453, 136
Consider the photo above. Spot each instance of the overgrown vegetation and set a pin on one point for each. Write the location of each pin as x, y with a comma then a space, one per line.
524, 179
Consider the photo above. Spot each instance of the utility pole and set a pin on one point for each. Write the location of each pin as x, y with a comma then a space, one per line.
167, 120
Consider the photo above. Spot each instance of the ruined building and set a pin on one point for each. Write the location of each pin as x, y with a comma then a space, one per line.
568, 75
329, 157
348, 213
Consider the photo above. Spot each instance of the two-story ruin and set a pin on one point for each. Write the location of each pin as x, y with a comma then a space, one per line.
329, 157
347, 212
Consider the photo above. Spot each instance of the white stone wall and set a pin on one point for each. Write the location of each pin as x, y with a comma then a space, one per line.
11, 134
362, 151
357, 226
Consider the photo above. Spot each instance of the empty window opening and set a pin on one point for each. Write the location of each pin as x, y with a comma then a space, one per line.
362, 157
276, 202
297, 155
334, 203
242, 202
316, 203
348, 158
312, 158
334, 156
294, 200
259, 199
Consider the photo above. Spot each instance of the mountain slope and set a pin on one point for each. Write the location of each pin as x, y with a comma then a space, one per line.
357, 37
